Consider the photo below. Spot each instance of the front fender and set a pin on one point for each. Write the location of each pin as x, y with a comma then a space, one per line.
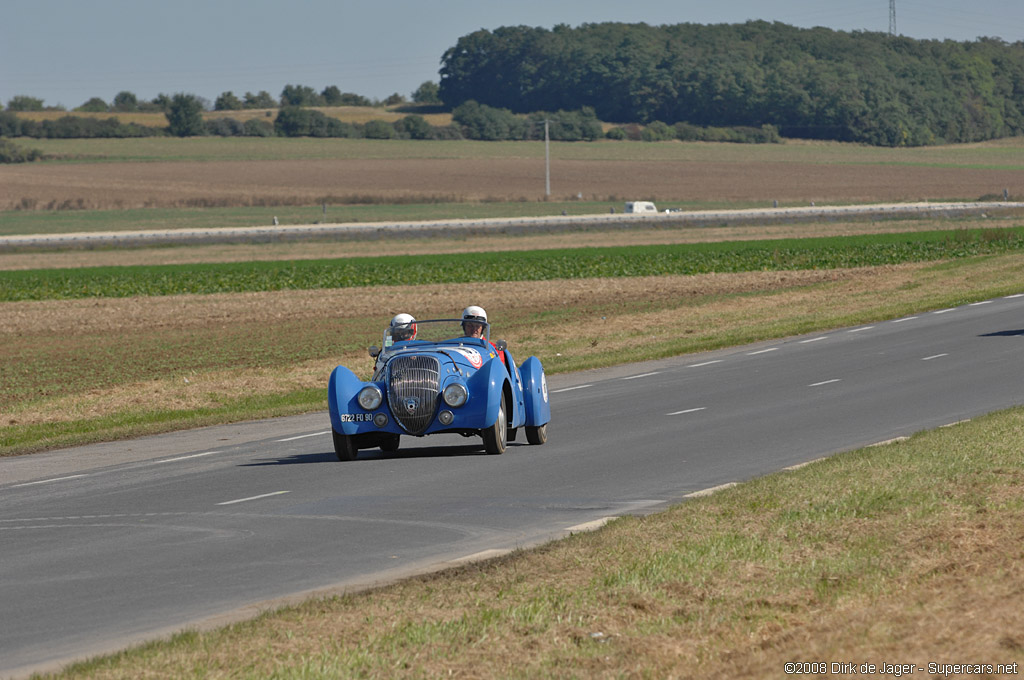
342, 390
535, 392
485, 388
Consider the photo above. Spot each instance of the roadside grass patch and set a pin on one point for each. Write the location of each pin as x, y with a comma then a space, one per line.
909, 553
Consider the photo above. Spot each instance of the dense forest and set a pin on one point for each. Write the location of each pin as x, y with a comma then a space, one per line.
816, 83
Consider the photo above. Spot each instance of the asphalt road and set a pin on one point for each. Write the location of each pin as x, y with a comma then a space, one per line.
109, 544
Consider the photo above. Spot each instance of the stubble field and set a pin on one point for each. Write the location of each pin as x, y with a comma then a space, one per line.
230, 172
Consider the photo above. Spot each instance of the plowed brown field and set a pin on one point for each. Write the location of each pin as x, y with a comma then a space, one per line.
308, 182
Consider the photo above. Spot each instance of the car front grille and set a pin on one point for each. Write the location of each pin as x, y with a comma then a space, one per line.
412, 391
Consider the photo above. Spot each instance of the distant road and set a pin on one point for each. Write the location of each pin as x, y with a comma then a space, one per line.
555, 223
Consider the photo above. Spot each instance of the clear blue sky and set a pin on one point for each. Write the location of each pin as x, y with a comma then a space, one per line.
67, 51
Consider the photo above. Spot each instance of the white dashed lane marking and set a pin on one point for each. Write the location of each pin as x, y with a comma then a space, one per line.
194, 455
689, 410
570, 389
825, 382
254, 498
304, 436
49, 481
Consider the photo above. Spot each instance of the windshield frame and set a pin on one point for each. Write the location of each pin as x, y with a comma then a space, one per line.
435, 332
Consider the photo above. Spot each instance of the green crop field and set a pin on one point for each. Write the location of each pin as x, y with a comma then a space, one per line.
536, 265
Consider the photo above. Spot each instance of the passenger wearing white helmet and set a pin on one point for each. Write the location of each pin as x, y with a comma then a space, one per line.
403, 327
474, 319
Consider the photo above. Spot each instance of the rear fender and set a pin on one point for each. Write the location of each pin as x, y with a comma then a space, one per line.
535, 393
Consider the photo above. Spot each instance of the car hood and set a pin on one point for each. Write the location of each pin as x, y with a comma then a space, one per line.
468, 359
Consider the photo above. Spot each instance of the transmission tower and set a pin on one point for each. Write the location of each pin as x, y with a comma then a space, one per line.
892, 18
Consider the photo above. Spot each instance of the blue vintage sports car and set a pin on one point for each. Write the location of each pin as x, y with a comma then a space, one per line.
430, 378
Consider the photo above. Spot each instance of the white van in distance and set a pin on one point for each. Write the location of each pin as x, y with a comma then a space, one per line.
640, 207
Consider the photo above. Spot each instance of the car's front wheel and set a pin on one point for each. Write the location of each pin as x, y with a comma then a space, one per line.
496, 436
345, 446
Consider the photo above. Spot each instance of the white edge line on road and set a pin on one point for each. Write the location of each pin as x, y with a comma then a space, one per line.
862, 328
803, 465
592, 526
48, 481
570, 389
480, 556
906, 318
820, 337
706, 363
707, 492
642, 375
959, 422
976, 304
825, 382
689, 410
253, 498
934, 356
194, 455
763, 351
1010, 297
943, 311
303, 436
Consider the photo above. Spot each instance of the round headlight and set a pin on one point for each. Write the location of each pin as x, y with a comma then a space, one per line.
455, 395
370, 397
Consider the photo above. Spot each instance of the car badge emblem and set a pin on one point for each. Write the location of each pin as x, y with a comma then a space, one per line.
411, 404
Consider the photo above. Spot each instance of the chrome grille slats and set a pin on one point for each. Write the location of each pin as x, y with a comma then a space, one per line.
413, 385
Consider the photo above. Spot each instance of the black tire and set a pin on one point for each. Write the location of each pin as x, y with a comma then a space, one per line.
390, 443
496, 436
537, 435
345, 447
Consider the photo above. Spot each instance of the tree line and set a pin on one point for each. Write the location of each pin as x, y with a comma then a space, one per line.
814, 83
752, 82
292, 95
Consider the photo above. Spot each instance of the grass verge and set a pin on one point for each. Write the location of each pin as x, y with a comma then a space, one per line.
908, 553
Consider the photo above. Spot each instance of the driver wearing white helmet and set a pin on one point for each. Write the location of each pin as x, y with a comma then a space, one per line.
474, 319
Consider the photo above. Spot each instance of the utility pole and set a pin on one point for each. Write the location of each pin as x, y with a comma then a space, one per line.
892, 18
547, 162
